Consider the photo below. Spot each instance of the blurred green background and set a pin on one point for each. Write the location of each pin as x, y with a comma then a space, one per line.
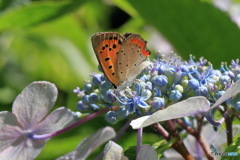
50, 40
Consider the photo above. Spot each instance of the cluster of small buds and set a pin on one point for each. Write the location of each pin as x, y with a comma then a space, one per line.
162, 83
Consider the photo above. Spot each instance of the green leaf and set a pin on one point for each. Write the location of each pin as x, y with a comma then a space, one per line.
233, 147
193, 27
131, 153
126, 6
37, 12
163, 145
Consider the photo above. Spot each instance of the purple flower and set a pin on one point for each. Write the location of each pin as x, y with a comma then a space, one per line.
28, 118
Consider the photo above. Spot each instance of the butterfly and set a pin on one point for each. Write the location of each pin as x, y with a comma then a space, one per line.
121, 57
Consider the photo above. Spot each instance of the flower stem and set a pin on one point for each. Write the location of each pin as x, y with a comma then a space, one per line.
122, 130
178, 145
228, 122
139, 139
198, 136
162, 131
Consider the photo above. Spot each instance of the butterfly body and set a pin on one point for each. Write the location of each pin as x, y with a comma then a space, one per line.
121, 57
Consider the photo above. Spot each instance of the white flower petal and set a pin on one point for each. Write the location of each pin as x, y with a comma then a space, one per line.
9, 129
14, 144
172, 154
113, 151
147, 152
233, 90
33, 104
190, 106
8, 135
56, 120
23, 149
88, 145
7, 118
69, 156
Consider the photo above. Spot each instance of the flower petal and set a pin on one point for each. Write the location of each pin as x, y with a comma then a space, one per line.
190, 106
7, 118
142, 104
23, 148
33, 104
147, 152
9, 130
56, 120
113, 151
88, 145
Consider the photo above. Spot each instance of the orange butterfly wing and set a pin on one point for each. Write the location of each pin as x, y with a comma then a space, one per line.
106, 47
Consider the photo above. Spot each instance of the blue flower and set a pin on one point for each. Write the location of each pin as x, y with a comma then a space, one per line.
193, 84
139, 86
82, 107
133, 101
85, 99
110, 117
204, 74
96, 78
105, 86
157, 102
122, 112
175, 95
110, 97
224, 79
149, 85
88, 87
160, 80
93, 98
201, 91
